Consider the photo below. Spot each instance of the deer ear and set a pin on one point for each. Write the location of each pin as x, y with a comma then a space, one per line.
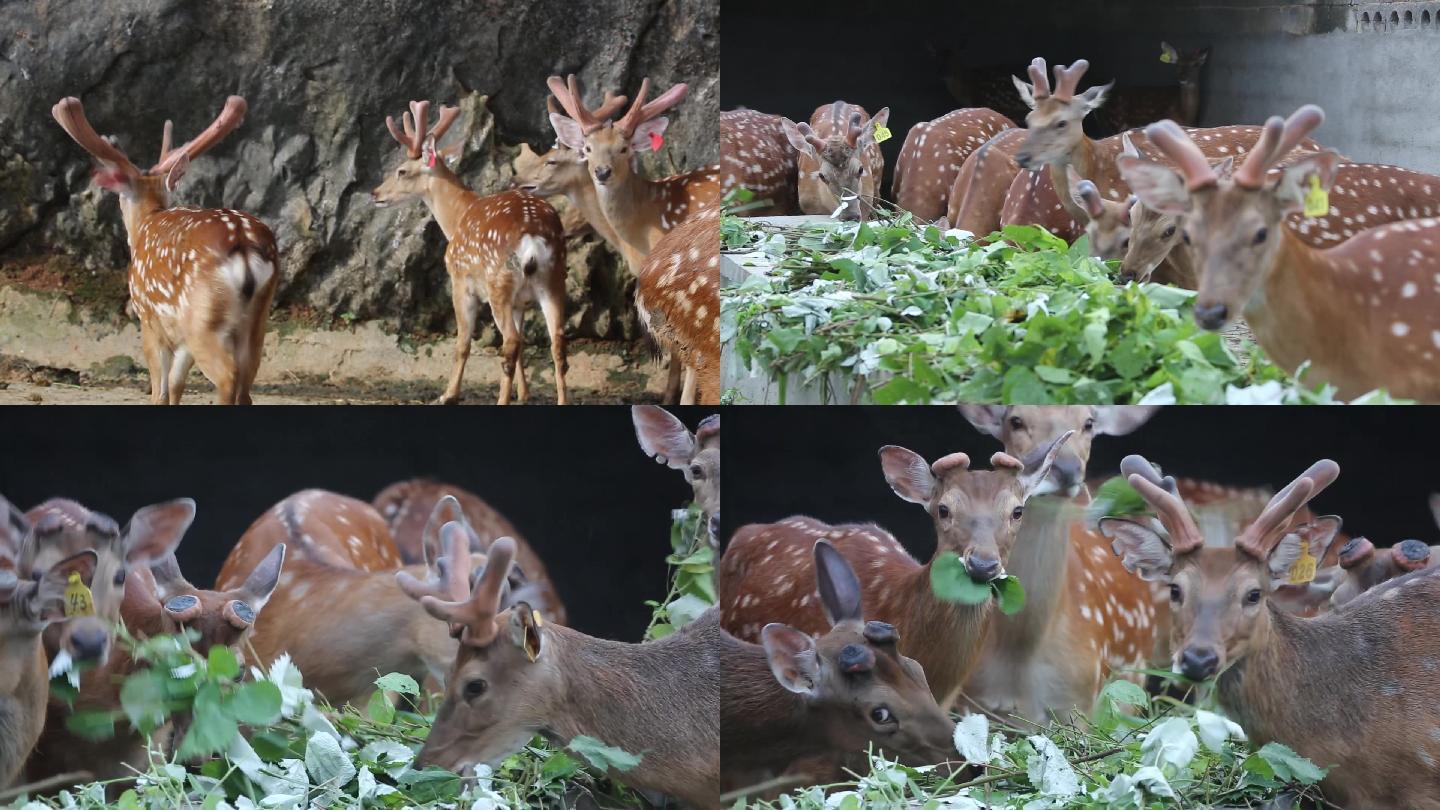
1119, 420
264, 579
446, 510
879, 120
14, 527
839, 587
1315, 537
568, 131
792, 658
907, 473
177, 171
50, 596
1435, 507
1168, 53
1159, 187
988, 419
662, 435
155, 531
1141, 549
525, 624
1295, 181
1032, 480
1027, 92
113, 179
1096, 96
167, 576
641, 140
797, 139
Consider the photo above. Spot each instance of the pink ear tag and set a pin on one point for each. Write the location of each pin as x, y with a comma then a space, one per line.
431, 164
656, 141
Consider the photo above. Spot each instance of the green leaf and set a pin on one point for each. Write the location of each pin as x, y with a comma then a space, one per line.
1051, 374
92, 725
1023, 387
222, 662
256, 703
211, 728
559, 766
900, 389
327, 763
785, 339
1009, 595
950, 582
143, 697
1290, 766
602, 756
430, 785
685, 610
398, 682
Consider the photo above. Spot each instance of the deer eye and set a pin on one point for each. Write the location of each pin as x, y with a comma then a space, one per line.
881, 715
1253, 597
1169, 232
120, 577
1016, 423
551, 162
1061, 124
1089, 424
697, 472
1261, 234
401, 172
1175, 594
821, 176
1125, 243
475, 688
1185, 235
1017, 513
943, 511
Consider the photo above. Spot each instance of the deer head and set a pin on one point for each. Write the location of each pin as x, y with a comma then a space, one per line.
609, 149
562, 168
33, 601
1030, 431
148, 190
423, 160
1232, 224
1107, 223
697, 455
840, 157
1187, 63
1362, 567
220, 617
1054, 125
976, 512
1218, 593
858, 686
63, 528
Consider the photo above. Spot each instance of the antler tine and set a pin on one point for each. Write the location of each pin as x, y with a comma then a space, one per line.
1038, 79
229, 118
1300, 124
1067, 79
447, 117
1170, 139
1185, 536
453, 567
610, 106
809, 135
165, 140
1251, 173
949, 462
632, 117
420, 111
402, 138
1135, 464
484, 599
664, 101
70, 115
853, 130
837, 112
1274, 520
567, 91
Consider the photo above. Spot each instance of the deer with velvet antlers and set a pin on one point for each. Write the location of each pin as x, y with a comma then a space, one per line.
506, 248
517, 676
1353, 690
201, 280
1362, 313
840, 163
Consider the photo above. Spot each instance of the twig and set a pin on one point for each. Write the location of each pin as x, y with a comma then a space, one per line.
56, 781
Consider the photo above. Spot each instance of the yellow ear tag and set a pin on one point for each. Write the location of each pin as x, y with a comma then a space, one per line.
539, 622
1303, 570
78, 601
1167, 57
1317, 200
882, 134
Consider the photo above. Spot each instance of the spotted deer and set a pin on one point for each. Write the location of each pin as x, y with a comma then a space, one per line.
201, 280
756, 155
697, 455
1381, 283
506, 248
416, 509
932, 155
1352, 689
678, 298
978, 193
1358, 566
516, 676
1085, 616
1136, 106
840, 164
384, 631
795, 695
158, 600
27, 607
977, 515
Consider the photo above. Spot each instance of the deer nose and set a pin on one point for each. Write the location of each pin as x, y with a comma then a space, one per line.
1198, 664
982, 568
1024, 159
89, 643
1066, 472
602, 173
715, 525
1211, 316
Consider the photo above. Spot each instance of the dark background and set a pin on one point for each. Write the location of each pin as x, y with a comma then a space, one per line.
574, 481
822, 462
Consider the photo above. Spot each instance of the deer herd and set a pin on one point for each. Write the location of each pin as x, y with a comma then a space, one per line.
1334, 264
202, 281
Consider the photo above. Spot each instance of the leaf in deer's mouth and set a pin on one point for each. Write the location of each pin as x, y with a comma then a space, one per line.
950, 582
1009, 594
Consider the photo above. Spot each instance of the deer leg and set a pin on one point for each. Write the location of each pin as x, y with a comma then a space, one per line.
253, 344
179, 374
509, 345
215, 354
466, 309
673, 379
687, 393
522, 393
158, 359
552, 304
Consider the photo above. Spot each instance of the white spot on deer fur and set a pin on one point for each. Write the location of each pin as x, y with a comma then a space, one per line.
1400, 328
1408, 290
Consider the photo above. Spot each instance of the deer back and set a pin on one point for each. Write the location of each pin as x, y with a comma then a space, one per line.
756, 155
932, 155
678, 295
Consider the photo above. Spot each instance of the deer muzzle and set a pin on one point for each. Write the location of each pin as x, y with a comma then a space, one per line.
1199, 663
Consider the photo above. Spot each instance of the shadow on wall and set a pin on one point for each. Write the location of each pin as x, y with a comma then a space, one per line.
320, 78
579, 488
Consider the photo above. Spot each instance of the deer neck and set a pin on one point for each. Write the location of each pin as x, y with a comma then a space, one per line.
1040, 560
24, 686
1082, 157
631, 208
583, 196
1272, 690
1294, 311
930, 619
448, 199
134, 212
1188, 111
761, 722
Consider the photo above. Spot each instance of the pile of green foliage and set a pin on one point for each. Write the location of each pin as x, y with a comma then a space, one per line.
930, 316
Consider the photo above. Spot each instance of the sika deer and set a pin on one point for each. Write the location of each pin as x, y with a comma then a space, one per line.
27, 607
977, 515
506, 248
1361, 568
1132, 106
562, 172
932, 156
840, 161
416, 509
1352, 689
1381, 283
665, 438
795, 696
516, 676
678, 298
756, 155
201, 280
1085, 616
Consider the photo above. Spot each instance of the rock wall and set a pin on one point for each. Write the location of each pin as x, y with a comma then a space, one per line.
320, 76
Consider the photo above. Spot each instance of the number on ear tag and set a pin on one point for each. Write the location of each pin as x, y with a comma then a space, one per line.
1317, 200
1303, 570
78, 601
882, 133
656, 141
